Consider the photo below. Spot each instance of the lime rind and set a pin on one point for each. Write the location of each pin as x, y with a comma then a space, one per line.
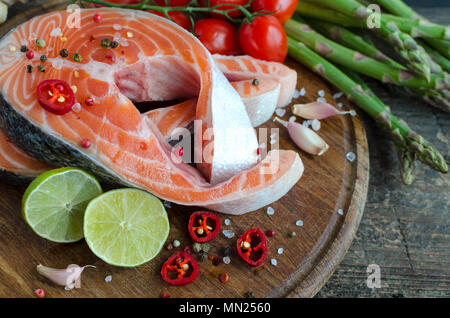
54, 203
126, 227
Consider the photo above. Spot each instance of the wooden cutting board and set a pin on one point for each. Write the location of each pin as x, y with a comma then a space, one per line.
330, 183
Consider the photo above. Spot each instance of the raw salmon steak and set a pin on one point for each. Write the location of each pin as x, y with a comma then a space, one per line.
155, 60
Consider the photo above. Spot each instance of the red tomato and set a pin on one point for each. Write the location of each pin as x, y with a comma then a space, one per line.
284, 9
218, 36
173, 3
177, 17
232, 14
264, 39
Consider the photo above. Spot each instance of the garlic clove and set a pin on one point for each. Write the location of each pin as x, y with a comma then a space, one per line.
69, 277
306, 139
316, 110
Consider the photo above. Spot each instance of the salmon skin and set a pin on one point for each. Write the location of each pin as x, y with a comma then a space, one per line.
167, 63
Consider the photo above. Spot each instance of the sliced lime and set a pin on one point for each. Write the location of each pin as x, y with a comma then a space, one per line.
126, 227
54, 203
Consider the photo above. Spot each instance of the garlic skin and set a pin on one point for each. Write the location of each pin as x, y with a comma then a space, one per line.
69, 277
316, 110
306, 139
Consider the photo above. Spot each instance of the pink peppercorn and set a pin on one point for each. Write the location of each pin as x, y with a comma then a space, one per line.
30, 55
89, 101
270, 233
165, 295
39, 293
224, 278
86, 143
188, 250
97, 17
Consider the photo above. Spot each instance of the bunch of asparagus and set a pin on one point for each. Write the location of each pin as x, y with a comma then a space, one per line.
323, 32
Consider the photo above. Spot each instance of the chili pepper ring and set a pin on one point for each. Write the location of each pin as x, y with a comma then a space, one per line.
252, 247
183, 266
203, 226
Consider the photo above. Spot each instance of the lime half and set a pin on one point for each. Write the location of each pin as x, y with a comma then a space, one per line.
55, 202
126, 227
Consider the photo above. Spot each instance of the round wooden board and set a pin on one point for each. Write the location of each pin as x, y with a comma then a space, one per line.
330, 183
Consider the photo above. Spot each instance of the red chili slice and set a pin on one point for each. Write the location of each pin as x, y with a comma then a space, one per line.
252, 247
203, 226
180, 269
55, 96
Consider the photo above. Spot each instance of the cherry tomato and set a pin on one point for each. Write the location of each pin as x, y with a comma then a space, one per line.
264, 39
217, 36
177, 17
232, 14
284, 9
173, 3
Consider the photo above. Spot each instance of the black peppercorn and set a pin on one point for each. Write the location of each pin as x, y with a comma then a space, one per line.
114, 44
29, 68
23, 48
64, 53
43, 58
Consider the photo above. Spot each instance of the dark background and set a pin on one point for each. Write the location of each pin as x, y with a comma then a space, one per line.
429, 3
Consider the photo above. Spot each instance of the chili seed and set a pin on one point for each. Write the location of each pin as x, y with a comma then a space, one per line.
23, 48
76, 57
185, 267
224, 278
114, 44
64, 53
86, 143
225, 251
43, 58
39, 293
270, 233
105, 43
169, 247
30, 55
200, 231
217, 261
29, 68
197, 247
255, 82
40, 43
41, 68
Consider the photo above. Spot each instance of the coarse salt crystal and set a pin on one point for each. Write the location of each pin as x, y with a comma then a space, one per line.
262, 146
321, 100
130, 34
280, 112
338, 95
12, 48
292, 119
270, 211
56, 32
108, 278
274, 262
307, 123
117, 27
76, 107
340, 212
228, 233
226, 260
227, 222
167, 204
273, 141
302, 92
315, 124
280, 250
299, 223
350, 156
352, 112
340, 105
321, 93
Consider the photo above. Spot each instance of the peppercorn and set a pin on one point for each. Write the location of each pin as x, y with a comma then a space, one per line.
39, 293
249, 294
169, 247
89, 101
217, 261
64, 53
30, 55
76, 57
197, 247
105, 43
86, 143
292, 234
226, 251
40, 43
205, 247
114, 44
43, 58
224, 278
176, 243
270, 233
255, 82
29, 68
23, 48
41, 68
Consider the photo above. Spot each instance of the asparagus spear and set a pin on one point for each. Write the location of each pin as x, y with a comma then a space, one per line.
353, 41
437, 57
356, 61
399, 8
398, 129
405, 45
